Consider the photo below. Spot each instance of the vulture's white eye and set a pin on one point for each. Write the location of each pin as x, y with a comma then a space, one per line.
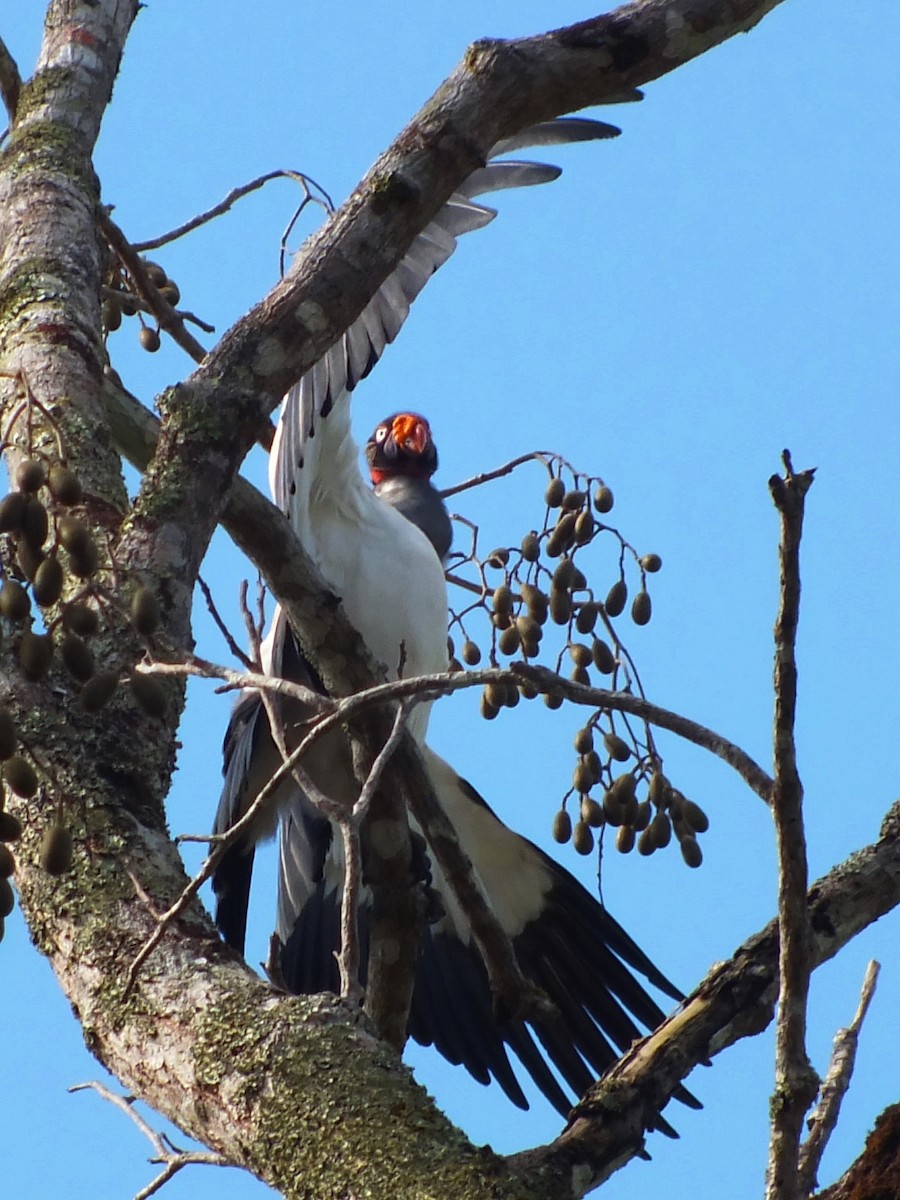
381, 433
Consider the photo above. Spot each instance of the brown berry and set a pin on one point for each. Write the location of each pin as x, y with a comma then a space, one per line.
586, 617
149, 694
56, 850
562, 537
616, 597
625, 839
75, 535
562, 827
149, 339
502, 600
14, 602
651, 563
690, 851
7, 861
35, 523
603, 499
656, 792
584, 527
508, 642
77, 657
48, 582
9, 738
574, 500
110, 315
641, 608
471, 655
660, 831
28, 559
10, 827
582, 778
531, 547
155, 272
30, 475
583, 838
556, 489
20, 777
617, 748
564, 574
591, 812
584, 740
645, 812
81, 619
645, 843
694, 816
580, 654
84, 565
560, 607
144, 612
98, 691
35, 654
604, 659
7, 899
64, 484
537, 602
12, 507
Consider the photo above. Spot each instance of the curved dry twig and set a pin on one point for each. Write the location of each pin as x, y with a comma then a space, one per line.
173, 1158
223, 207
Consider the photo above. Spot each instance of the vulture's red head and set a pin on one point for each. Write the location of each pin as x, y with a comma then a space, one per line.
401, 445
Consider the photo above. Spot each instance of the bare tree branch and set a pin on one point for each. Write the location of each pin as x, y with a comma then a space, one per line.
795, 1079
175, 1160
10, 82
233, 196
736, 1000
834, 1087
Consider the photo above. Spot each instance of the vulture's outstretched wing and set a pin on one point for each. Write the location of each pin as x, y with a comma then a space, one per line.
390, 582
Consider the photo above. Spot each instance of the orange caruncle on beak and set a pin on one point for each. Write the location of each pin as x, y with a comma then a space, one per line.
410, 432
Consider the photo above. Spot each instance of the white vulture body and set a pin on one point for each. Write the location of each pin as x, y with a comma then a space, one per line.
389, 577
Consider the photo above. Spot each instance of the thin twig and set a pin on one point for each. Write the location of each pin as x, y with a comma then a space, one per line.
430, 687
542, 456
795, 1080
223, 206
167, 316
230, 641
204, 669
377, 770
834, 1087
350, 825
167, 1153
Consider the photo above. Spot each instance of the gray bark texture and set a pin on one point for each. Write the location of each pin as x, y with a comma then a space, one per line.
289, 1088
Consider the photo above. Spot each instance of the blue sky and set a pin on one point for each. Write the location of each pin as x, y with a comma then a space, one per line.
713, 286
